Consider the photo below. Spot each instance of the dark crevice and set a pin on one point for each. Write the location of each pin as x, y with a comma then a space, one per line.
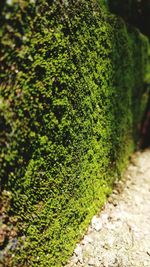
135, 12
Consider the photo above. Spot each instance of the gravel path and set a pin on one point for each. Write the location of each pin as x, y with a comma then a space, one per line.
120, 235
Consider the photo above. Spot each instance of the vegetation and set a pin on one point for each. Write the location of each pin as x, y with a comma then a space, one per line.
134, 11
72, 94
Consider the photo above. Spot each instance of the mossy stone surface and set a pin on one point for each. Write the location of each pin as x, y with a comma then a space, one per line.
72, 95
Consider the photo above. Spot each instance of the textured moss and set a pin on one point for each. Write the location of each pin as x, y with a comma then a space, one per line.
72, 84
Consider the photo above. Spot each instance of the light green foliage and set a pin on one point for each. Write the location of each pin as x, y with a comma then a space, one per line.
71, 85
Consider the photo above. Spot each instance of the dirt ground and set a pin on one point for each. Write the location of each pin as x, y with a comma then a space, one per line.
119, 236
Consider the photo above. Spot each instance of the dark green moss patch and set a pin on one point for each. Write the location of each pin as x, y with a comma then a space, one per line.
72, 91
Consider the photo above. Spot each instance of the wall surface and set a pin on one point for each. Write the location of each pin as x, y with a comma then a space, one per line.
72, 95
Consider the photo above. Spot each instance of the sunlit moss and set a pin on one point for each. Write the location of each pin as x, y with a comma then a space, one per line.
72, 81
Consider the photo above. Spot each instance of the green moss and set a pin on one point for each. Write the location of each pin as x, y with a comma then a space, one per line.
72, 82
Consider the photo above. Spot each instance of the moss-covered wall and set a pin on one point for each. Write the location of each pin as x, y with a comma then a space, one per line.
72, 94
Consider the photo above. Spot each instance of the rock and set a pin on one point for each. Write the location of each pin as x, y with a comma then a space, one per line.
78, 253
148, 252
104, 218
87, 240
91, 262
96, 224
110, 241
146, 264
113, 200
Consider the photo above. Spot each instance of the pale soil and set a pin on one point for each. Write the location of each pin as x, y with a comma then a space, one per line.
120, 235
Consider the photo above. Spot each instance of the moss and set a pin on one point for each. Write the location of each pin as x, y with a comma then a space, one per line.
72, 78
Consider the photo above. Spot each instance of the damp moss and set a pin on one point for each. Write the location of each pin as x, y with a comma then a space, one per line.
72, 84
